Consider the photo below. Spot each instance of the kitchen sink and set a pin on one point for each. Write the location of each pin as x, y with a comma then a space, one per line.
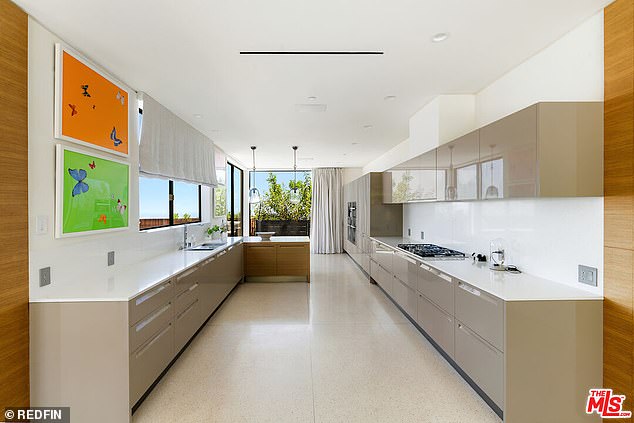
208, 246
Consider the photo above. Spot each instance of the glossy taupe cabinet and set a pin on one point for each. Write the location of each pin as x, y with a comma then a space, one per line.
412, 181
100, 357
516, 353
550, 149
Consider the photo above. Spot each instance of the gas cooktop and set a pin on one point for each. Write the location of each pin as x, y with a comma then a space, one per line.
433, 252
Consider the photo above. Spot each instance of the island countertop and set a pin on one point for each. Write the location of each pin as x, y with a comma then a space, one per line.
257, 239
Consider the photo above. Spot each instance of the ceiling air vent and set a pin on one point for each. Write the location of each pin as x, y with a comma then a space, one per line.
312, 53
315, 108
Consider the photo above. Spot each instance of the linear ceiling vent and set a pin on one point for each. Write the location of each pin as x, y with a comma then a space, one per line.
313, 53
314, 108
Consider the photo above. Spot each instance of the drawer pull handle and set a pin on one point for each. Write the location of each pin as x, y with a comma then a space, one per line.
384, 252
153, 317
184, 275
230, 248
150, 294
187, 310
477, 338
152, 342
445, 277
410, 260
188, 290
424, 267
222, 253
469, 289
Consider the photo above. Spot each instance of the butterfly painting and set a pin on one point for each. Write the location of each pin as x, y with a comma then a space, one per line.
121, 208
113, 137
92, 165
121, 98
79, 176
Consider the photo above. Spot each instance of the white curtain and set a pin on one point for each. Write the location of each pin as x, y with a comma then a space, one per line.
326, 226
172, 148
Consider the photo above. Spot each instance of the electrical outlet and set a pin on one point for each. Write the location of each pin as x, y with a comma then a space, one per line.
422, 235
45, 276
409, 231
110, 258
588, 275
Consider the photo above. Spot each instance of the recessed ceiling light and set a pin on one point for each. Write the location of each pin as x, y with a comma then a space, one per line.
389, 98
440, 37
306, 159
312, 98
355, 143
367, 126
198, 116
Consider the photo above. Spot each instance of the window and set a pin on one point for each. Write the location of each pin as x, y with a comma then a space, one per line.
167, 203
275, 212
234, 199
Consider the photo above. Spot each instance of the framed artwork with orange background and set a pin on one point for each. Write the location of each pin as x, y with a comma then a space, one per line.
91, 108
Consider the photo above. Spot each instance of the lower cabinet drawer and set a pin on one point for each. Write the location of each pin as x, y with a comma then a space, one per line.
437, 286
186, 324
380, 275
481, 361
150, 325
143, 304
186, 297
147, 362
405, 296
438, 324
481, 312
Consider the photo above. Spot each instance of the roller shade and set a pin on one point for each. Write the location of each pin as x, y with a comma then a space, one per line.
172, 148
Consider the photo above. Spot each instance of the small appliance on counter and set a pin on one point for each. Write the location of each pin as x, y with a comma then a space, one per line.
432, 252
497, 254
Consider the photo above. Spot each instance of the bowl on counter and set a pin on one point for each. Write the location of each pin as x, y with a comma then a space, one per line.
266, 236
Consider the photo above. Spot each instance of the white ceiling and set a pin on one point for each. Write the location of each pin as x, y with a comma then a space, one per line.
184, 53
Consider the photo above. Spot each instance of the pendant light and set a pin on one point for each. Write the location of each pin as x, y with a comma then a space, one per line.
450, 191
492, 190
295, 196
254, 193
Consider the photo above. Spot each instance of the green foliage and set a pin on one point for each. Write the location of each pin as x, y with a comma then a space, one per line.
187, 216
402, 191
176, 216
276, 203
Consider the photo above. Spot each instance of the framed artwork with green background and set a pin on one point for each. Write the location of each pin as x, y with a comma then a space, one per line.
92, 193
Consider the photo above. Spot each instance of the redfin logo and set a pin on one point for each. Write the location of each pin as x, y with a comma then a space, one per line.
606, 404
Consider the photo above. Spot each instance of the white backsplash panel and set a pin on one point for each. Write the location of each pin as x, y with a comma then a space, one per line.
544, 237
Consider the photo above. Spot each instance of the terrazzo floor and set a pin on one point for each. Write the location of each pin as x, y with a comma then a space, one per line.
334, 350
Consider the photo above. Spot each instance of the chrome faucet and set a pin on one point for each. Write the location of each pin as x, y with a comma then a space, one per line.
186, 244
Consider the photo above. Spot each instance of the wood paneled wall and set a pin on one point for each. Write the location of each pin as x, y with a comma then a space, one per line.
14, 237
618, 325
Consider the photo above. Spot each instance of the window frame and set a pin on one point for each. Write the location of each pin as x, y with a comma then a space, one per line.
170, 199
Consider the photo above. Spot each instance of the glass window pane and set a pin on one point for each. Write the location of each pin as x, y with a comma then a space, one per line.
237, 201
153, 203
186, 208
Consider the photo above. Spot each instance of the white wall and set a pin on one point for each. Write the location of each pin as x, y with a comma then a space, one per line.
545, 237
570, 69
70, 258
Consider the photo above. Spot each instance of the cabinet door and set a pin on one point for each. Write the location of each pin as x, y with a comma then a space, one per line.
482, 312
383, 278
260, 260
236, 265
400, 267
414, 180
508, 156
186, 323
481, 361
437, 323
436, 286
149, 360
457, 167
293, 260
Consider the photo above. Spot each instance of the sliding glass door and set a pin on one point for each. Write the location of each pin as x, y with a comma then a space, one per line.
235, 185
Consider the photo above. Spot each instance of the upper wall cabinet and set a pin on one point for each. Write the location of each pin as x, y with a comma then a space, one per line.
545, 150
457, 169
414, 180
508, 156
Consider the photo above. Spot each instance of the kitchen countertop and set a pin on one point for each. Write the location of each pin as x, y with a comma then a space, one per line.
256, 239
127, 282
504, 285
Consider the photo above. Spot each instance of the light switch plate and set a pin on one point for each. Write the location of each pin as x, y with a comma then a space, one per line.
110, 258
409, 231
45, 276
588, 275
41, 225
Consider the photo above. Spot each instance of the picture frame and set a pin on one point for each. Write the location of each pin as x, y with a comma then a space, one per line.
92, 108
220, 202
92, 193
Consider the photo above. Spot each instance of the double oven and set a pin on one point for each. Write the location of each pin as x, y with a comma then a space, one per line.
352, 222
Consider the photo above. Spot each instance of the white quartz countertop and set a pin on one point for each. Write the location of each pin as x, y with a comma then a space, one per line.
126, 283
504, 285
254, 239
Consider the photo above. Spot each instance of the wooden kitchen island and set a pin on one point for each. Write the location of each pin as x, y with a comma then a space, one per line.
282, 259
